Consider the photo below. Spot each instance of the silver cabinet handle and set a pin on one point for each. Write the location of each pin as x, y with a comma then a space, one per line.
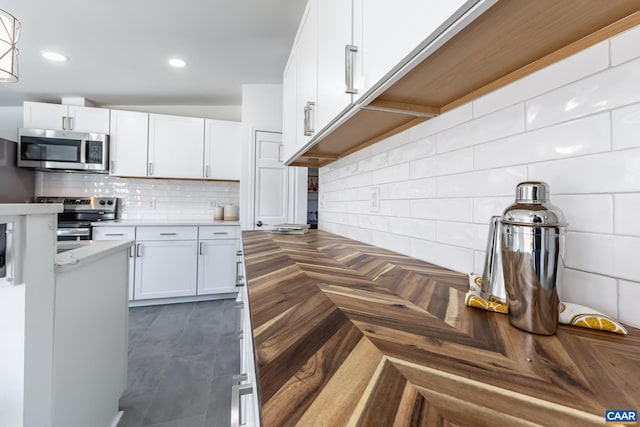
239, 320
113, 166
349, 53
308, 118
139, 250
168, 234
236, 392
206, 171
64, 123
239, 253
150, 169
201, 248
114, 234
131, 250
221, 232
70, 123
280, 153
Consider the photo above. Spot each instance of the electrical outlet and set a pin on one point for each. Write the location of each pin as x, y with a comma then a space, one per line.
375, 200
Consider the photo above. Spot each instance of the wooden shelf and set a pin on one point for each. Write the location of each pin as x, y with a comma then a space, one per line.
512, 39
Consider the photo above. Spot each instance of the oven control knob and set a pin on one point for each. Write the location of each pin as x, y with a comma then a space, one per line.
109, 202
102, 202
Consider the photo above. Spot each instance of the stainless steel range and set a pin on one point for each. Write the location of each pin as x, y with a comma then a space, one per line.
74, 223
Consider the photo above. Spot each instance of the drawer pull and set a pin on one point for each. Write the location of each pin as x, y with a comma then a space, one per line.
168, 234
114, 234
236, 392
221, 232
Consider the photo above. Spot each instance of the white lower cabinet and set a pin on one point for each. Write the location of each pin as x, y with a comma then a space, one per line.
217, 266
120, 233
178, 261
166, 269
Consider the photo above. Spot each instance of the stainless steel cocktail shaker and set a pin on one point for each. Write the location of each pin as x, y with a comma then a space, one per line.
532, 232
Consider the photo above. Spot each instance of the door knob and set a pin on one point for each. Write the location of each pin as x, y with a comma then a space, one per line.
259, 224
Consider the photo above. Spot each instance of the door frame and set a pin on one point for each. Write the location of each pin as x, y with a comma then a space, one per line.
297, 182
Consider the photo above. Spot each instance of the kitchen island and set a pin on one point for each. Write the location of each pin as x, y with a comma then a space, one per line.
350, 334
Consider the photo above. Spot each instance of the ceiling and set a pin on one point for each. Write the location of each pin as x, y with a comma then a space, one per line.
119, 49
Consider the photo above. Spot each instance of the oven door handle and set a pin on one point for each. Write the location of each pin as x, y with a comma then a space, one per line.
73, 231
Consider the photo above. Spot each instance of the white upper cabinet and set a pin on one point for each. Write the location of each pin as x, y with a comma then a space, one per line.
223, 150
128, 143
176, 147
289, 118
38, 115
336, 60
306, 73
387, 31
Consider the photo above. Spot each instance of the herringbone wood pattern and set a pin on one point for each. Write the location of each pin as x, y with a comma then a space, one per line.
350, 334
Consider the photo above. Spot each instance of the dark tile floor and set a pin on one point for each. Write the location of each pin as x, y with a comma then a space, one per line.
181, 361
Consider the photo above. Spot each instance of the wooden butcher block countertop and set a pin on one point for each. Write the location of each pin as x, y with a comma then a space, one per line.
350, 334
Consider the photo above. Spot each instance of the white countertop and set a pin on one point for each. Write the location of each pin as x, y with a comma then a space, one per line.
82, 253
161, 222
30, 208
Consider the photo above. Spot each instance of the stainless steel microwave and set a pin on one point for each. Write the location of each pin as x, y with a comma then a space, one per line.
61, 150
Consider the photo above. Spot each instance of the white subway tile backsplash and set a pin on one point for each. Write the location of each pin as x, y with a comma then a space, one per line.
616, 171
395, 207
442, 209
603, 254
627, 214
628, 297
375, 162
486, 207
624, 46
575, 67
574, 124
418, 228
626, 127
591, 290
452, 257
609, 89
445, 121
579, 137
391, 174
462, 234
392, 242
414, 189
590, 213
442, 164
493, 182
144, 198
413, 150
374, 222
509, 121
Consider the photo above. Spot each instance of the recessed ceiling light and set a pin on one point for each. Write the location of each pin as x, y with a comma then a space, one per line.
177, 62
54, 56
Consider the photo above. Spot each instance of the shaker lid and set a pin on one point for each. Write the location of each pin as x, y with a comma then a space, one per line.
532, 207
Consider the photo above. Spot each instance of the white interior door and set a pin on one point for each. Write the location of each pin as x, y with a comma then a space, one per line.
271, 177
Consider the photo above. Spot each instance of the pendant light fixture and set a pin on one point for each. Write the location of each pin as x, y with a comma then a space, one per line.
9, 33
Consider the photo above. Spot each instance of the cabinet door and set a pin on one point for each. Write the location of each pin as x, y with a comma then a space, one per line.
389, 31
166, 269
306, 75
120, 233
128, 143
217, 266
289, 118
176, 146
39, 115
335, 52
88, 119
223, 150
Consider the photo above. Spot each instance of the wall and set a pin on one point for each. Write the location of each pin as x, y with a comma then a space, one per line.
574, 124
16, 184
262, 110
144, 198
10, 121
